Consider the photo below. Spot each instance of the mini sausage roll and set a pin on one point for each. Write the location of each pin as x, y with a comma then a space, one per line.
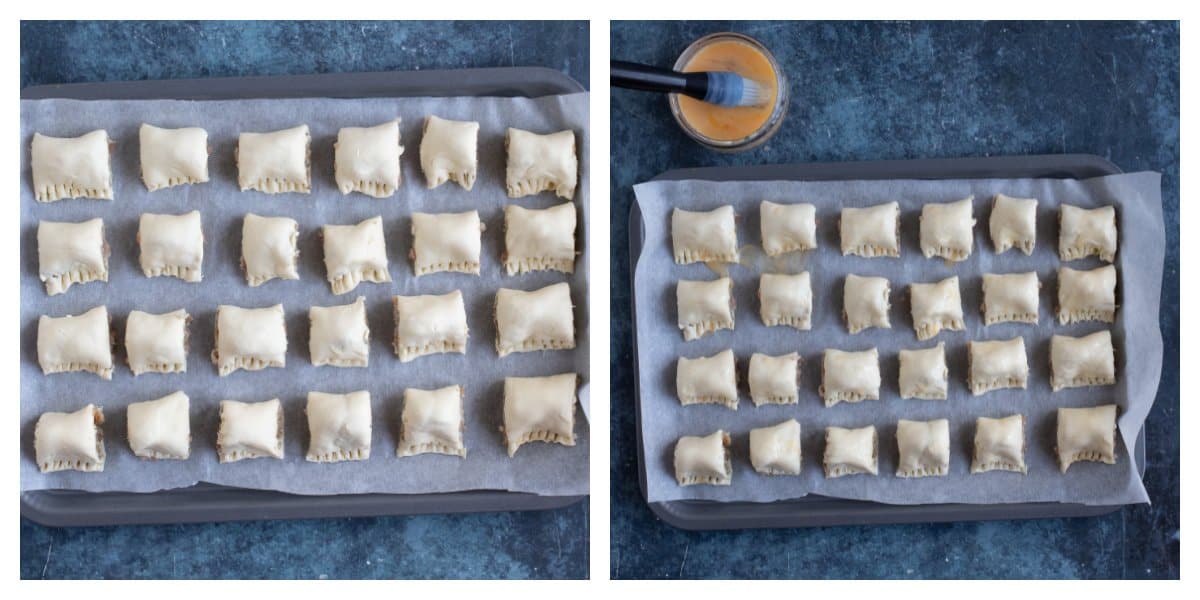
429, 325
250, 430
1010, 297
76, 343
448, 152
539, 409
172, 157
446, 242
923, 373
355, 253
774, 379
249, 338
704, 306
367, 159
269, 248
543, 319
339, 426
703, 459
539, 240
996, 364
924, 448
161, 429
70, 441
157, 343
871, 231
70, 253
1086, 434
1082, 361
274, 162
432, 422
1087, 295
936, 306
538, 163
707, 380
947, 230
787, 227
339, 335
705, 236
172, 245
865, 303
851, 451
775, 450
1013, 223
71, 167
786, 300
1083, 232
850, 376
999, 444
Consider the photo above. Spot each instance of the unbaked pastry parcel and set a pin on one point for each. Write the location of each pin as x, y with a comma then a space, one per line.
1087, 232
923, 373
703, 459
999, 444
172, 157
249, 338
787, 227
1010, 297
1087, 295
786, 300
339, 426
430, 324
339, 335
948, 229
704, 306
367, 159
1082, 361
539, 409
70, 441
432, 422
865, 303
76, 343
539, 163
704, 236
70, 253
707, 380
542, 319
774, 379
355, 253
851, 451
157, 343
1086, 434
274, 162
71, 167
161, 429
1013, 223
871, 231
539, 240
996, 364
849, 376
936, 307
172, 245
269, 248
924, 448
448, 151
250, 430
446, 242
775, 450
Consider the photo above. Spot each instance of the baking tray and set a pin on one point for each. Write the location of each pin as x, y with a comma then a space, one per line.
207, 502
816, 510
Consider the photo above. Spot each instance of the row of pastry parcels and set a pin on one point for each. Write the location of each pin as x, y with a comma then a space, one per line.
432, 421
256, 338
366, 160
854, 376
173, 246
1084, 434
947, 230
705, 307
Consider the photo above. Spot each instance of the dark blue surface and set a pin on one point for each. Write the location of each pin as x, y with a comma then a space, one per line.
863, 91
551, 544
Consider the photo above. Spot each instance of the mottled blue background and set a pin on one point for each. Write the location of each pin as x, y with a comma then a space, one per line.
551, 544
863, 91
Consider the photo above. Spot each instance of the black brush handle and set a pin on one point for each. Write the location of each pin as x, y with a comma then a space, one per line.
636, 76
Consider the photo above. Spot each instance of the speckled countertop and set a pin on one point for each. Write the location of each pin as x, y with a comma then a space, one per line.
551, 544
863, 91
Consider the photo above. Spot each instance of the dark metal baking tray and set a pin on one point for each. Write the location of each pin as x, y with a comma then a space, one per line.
815, 510
207, 502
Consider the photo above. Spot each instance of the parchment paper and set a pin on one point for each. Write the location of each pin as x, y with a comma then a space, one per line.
538, 468
1135, 335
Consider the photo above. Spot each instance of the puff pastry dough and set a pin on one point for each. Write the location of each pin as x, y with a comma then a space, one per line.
70, 441
70, 253
432, 422
786, 300
707, 380
539, 409
703, 459
543, 319
367, 159
71, 167
851, 451
774, 379
1083, 232
539, 163
775, 450
339, 335
76, 343
1082, 361
999, 444
947, 230
923, 373
355, 253
157, 343
871, 231
172, 157
936, 306
704, 306
1010, 297
539, 240
250, 430
850, 376
161, 429
269, 248
429, 325
1013, 223
924, 448
446, 242
1086, 434
172, 245
996, 364
448, 152
787, 227
274, 162
1087, 295
249, 338
339, 426
707, 236
865, 303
